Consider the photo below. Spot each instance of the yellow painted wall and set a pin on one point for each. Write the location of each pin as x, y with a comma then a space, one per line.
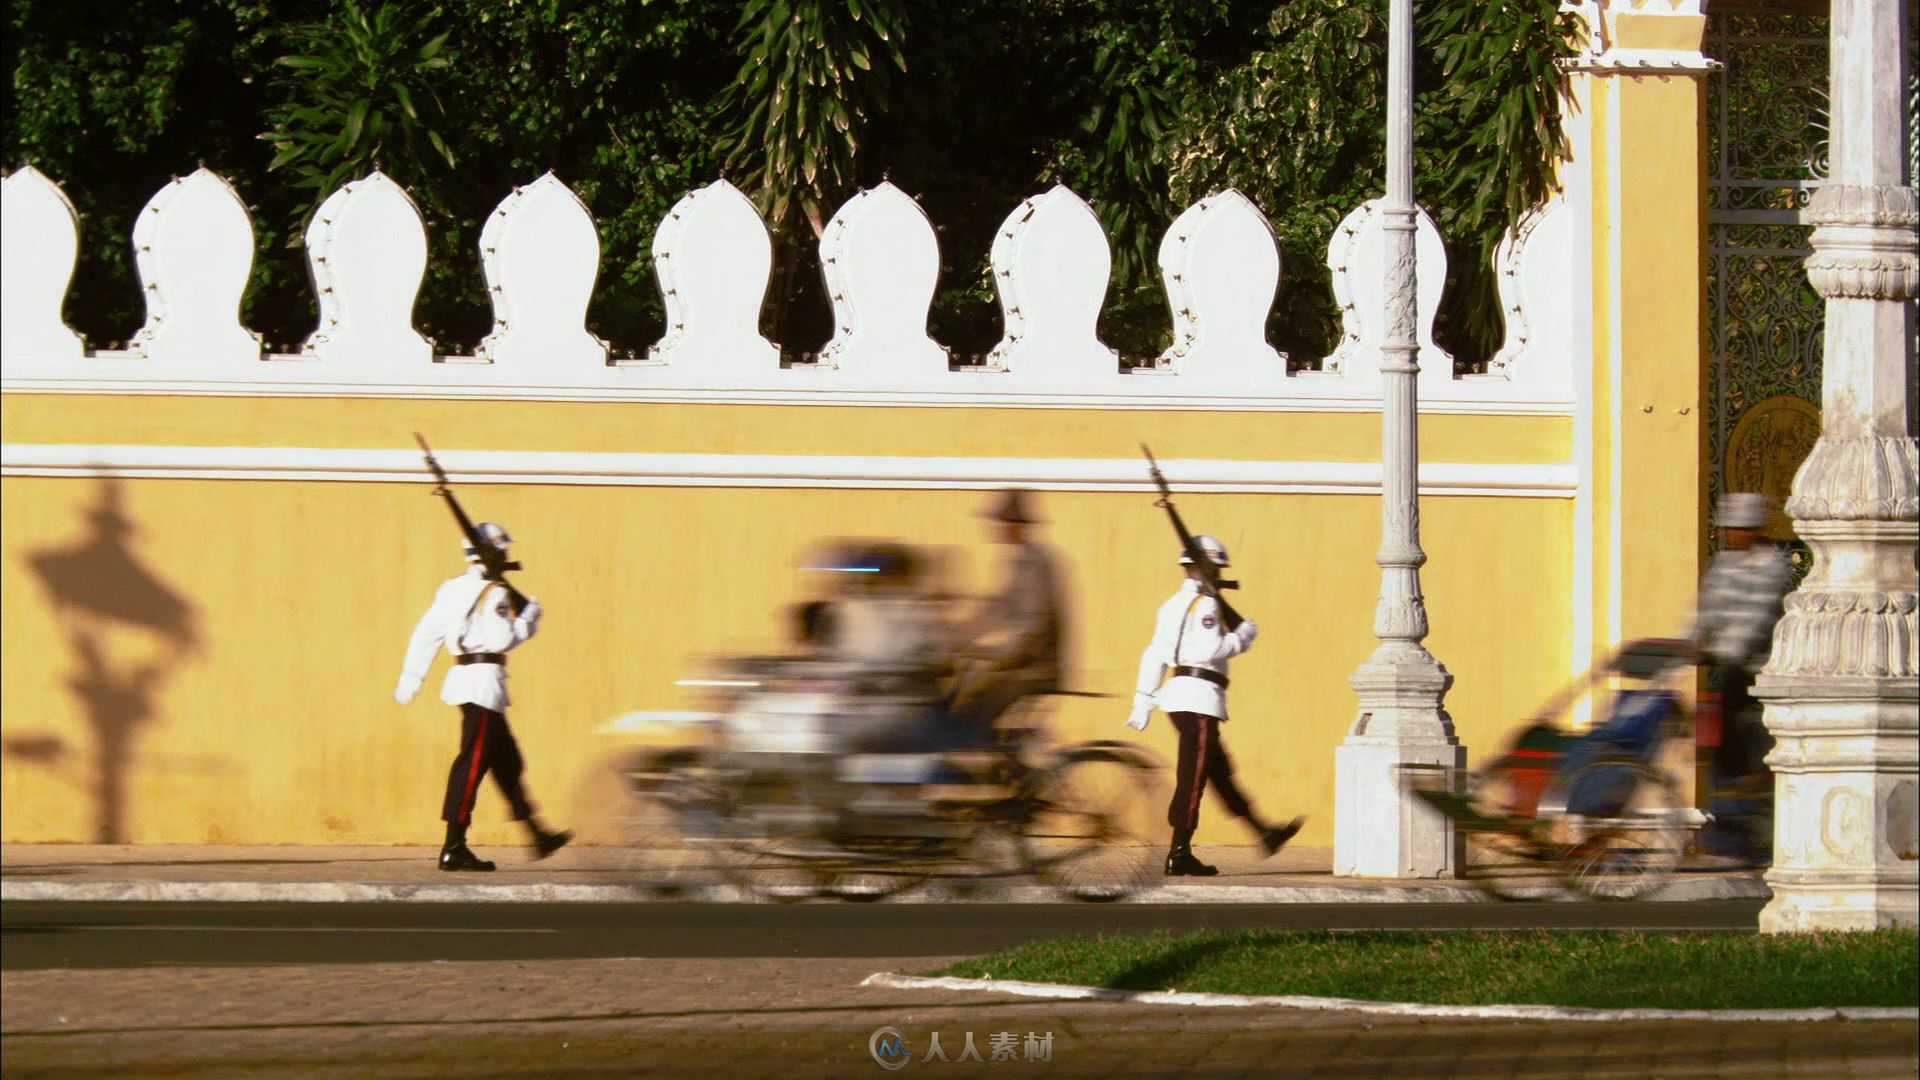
1662, 251
1648, 390
277, 724
1602, 397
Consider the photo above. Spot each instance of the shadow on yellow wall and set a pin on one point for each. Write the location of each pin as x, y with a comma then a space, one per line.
127, 630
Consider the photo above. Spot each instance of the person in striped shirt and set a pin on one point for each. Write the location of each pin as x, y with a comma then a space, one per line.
1740, 601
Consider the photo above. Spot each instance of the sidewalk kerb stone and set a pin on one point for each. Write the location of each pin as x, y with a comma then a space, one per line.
1061, 991
24, 888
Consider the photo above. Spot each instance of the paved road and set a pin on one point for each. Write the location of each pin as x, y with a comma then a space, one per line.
120, 935
809, 1018
336, 990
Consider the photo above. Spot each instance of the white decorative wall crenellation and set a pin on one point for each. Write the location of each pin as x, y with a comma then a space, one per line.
367, 251
1358, 256
540, 253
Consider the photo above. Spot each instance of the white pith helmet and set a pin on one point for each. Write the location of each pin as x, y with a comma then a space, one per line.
495, 535
1214, 550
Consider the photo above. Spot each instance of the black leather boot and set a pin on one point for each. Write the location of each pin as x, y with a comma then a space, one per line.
462, 858
545, 843
455, 855
1276, 838
1181, 861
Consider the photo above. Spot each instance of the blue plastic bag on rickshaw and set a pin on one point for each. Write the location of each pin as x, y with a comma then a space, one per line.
1632, 733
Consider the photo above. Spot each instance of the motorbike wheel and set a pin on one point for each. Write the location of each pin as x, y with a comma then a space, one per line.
1081, 839
1633, 851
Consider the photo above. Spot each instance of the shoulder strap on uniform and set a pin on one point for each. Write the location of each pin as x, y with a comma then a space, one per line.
467, 619
1182, 635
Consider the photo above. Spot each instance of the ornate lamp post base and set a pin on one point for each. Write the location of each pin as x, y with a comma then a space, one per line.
1378, 830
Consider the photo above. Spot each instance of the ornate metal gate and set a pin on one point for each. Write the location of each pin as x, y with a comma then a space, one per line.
1766, 155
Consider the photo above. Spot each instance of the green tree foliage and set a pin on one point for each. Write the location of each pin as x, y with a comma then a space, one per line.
613, 98
111, 98
812, 75
361, 93
971, 106
1299, 126
1134, 71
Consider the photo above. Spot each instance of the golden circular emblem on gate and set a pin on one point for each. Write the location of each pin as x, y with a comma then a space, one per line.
1767, 445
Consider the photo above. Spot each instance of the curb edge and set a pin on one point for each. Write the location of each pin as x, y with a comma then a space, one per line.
27, 889
1064, 991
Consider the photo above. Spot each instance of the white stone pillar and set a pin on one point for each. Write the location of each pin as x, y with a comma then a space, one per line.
1840, 687
1378, 830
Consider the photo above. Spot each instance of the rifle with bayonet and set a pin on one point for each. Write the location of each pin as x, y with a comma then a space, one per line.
1211, 583
493, 562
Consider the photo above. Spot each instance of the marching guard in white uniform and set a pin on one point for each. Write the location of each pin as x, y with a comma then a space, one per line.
472, 617
1191, 640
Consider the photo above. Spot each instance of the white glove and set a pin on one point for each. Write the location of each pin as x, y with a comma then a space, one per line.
531, 613
404, 692
1142, 712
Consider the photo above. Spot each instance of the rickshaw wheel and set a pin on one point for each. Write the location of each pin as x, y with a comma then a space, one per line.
864, 885
770, 869
1634, 851
663, 847
993, 851
1507, 857
873, 873
1080, 840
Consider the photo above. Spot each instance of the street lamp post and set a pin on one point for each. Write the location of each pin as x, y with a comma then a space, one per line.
1378, 831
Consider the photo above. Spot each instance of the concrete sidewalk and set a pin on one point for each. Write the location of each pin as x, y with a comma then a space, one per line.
583, 874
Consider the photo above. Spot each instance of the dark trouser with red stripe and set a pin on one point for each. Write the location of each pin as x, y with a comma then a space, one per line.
1203, 761
486, 745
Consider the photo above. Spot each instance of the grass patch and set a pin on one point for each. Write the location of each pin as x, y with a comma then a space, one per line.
1533, 967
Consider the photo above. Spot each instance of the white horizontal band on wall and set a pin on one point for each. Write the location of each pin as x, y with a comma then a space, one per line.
1478, 395
771, 470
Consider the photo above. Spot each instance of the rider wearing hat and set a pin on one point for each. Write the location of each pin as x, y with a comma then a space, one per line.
1015, 638
1190, 638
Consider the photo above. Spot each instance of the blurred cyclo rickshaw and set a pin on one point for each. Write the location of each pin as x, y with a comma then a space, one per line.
836, 769
1592, 811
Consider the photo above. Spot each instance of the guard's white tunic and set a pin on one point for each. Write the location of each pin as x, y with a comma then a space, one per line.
1189, 632
469, 615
